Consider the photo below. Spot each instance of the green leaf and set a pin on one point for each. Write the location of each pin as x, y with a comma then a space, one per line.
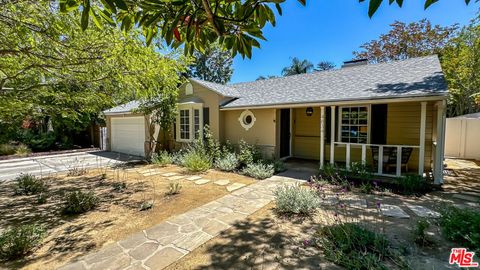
121, 4
85, 14
373, 7
428, 3
95, 18
279, 9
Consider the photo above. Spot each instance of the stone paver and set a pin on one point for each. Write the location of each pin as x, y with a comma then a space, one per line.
164, 243
202, 181
466, 197
193, 178
423, 211
393, 211
235, 186
222, 182
175, 178
169, 174
150, 173
356, 202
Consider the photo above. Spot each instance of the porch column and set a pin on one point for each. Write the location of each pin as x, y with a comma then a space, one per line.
332, 134
439, 149
421, 153
322, 136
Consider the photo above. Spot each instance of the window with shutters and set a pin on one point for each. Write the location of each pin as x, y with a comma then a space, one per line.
189, 120
354, 124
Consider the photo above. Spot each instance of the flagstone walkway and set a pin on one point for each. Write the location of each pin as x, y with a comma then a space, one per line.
161, 245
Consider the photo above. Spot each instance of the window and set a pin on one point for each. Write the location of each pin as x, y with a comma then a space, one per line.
189, 121
196, 122
185, 124
354, 124
247, 119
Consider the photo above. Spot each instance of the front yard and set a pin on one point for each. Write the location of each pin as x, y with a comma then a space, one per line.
269, 240
118, 214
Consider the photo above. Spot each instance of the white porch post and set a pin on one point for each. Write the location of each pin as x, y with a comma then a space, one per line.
421, 153
439, 149
332, 135
322, 136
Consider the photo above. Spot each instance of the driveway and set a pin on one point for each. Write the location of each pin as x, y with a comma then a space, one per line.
45, 165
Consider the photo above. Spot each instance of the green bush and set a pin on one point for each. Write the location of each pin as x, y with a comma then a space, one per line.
177, 157
366, 188
295, 199
22, 150
229, 162
18, 241
28, 184
211, 146
361, 171
162, 159
259, 170
78, 202
413, 184
195, 161
461, 226
353, 246
39, 142
42, 198
332, 174
7, 149
278, 165
248, 154
419, 235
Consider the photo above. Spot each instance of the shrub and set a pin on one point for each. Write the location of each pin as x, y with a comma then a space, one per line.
295, 199
353, 246
461, 226
210, 145
332, 174
119, 186
195, 161
278, 165
259, 170
413, 184
419, 235
78, 202
177, 158
22, 150
162, 159
248, 154
42, 198
228, 162
77, 171
6, 149
28, 184
146, 205
174, 188
18, 241
361, 171
366, 188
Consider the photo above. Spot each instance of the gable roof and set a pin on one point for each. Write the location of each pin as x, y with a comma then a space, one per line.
124, 108
414, 77
224, 90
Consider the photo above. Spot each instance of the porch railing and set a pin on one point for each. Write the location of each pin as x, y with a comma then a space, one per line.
380, 155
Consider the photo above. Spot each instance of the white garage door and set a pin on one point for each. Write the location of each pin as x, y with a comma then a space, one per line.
128, 135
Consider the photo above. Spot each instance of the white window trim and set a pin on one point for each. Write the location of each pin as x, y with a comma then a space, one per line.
369, 120
190, 108
244, 114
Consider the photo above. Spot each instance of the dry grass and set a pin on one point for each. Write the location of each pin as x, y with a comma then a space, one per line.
116, 217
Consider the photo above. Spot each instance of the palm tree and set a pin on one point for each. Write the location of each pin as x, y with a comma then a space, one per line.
297, 67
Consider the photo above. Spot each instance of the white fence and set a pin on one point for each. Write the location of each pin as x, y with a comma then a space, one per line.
462, 138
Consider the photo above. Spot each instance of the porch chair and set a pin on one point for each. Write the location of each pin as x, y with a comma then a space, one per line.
392, 161
386, 156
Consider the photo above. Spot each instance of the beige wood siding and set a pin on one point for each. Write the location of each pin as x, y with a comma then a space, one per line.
263, 132
403, 127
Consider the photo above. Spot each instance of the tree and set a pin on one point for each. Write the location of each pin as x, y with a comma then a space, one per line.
52, 71
407, 40
213, 65
297, 67
261, 77
324, 65
461, 66
236, 25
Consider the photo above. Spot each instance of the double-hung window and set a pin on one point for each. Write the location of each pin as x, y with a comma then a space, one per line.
354, 124
189, 120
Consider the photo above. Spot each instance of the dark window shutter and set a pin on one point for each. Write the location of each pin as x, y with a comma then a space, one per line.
206, 116
175, 129
378, 127
328, 125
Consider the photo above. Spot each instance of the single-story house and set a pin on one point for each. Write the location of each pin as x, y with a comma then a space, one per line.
360, 113
462, 135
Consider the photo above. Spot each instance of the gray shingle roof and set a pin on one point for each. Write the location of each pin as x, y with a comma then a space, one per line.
224, 90
406, 78
470, 116
124, 108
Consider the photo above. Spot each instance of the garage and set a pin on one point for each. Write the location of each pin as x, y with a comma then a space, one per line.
128, 135
462, 136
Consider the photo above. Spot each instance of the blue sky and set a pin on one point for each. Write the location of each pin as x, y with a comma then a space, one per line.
332, 29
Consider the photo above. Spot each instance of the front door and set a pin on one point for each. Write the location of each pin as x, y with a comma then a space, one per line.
284, 133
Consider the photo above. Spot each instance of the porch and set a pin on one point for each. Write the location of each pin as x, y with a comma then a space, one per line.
393, 139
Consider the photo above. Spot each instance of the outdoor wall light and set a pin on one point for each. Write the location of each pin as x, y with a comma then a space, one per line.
309, 111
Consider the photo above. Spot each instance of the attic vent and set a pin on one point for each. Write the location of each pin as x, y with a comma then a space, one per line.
354, 63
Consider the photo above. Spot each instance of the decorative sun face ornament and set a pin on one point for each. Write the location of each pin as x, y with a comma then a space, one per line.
247, 119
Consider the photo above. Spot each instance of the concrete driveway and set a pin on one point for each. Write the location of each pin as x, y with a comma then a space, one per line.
45, 165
